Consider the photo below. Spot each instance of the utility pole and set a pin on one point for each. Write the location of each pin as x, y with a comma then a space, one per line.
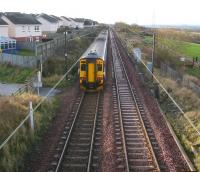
153, 53
65, 49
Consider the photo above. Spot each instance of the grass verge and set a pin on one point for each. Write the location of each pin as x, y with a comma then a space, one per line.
12, 111
13, 74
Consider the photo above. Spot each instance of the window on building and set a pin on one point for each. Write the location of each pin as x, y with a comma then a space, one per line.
10, 44
14, 45
2, 45
23, 28
37, 28
6, 45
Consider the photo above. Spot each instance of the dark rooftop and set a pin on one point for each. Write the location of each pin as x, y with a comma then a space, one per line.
66, 18
21, 18
2, 22
79, 20
49, 18
58, 18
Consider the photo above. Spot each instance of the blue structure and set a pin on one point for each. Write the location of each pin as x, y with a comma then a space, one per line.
7, 44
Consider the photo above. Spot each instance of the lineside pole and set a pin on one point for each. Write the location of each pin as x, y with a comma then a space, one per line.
31, 119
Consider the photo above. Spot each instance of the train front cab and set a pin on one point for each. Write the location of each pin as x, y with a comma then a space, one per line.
91, 74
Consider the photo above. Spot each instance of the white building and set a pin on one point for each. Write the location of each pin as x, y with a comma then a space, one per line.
79, 22
49, 23
23, 27
3, 28
60, 21
68, 22
7, 43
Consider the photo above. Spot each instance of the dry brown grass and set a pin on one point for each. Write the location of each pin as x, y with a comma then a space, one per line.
12, 111
190, 102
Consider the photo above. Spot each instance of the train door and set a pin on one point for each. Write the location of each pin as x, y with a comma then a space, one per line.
91, 72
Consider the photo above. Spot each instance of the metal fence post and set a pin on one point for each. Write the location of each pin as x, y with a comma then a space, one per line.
31, 120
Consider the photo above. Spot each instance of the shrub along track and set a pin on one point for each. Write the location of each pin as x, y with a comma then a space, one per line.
169, 152
42, 156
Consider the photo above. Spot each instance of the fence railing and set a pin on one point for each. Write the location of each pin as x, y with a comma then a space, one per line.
17, 60
166, 70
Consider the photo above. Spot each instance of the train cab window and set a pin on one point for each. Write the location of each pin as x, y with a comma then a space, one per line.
83, 67
99, 67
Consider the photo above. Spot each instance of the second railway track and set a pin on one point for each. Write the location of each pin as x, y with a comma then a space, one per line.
134, 147
79, 146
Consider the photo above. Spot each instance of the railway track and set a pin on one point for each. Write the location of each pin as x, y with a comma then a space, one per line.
135, 149
78, 149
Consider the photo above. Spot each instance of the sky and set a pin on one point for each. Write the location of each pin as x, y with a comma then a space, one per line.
142, 12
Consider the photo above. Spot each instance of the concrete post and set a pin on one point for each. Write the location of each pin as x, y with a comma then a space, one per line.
31, 120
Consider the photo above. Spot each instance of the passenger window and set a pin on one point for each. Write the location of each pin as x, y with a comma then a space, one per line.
99, 67
83, 67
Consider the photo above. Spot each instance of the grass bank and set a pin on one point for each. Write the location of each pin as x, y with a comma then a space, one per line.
190, 104
168, 51
14, 74
12, 111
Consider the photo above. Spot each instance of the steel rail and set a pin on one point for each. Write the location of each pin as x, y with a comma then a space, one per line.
93, 135
120, 114
69, 135
140, 117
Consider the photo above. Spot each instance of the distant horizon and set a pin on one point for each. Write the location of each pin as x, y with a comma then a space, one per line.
148, 25
143, 12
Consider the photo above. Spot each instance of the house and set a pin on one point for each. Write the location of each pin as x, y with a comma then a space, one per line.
3, 28
79, 22
68, 22
49, 23
60, 21
7, 44
22, 27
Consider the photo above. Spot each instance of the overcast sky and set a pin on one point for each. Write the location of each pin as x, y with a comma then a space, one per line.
175, 12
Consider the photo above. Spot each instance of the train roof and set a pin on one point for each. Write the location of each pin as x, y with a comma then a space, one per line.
98, 47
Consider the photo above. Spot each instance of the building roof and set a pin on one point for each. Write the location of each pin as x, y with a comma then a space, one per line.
6, 39
80, 20
48, 18
2, 22
21, 18
66, 18
58, 18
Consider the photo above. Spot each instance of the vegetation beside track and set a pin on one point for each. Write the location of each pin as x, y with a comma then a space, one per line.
14, 74
190, 103
12, 111
171, 44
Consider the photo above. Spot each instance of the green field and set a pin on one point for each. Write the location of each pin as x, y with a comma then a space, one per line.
190, 49
25, 52
12, 74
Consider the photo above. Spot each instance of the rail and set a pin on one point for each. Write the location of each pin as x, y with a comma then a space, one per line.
75, 123
189, 163
139, 114
68, 137
120, 116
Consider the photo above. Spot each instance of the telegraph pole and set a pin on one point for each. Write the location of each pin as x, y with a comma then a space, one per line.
153, 53
65, 49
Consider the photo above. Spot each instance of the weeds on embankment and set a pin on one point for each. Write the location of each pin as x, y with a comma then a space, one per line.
12, 111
